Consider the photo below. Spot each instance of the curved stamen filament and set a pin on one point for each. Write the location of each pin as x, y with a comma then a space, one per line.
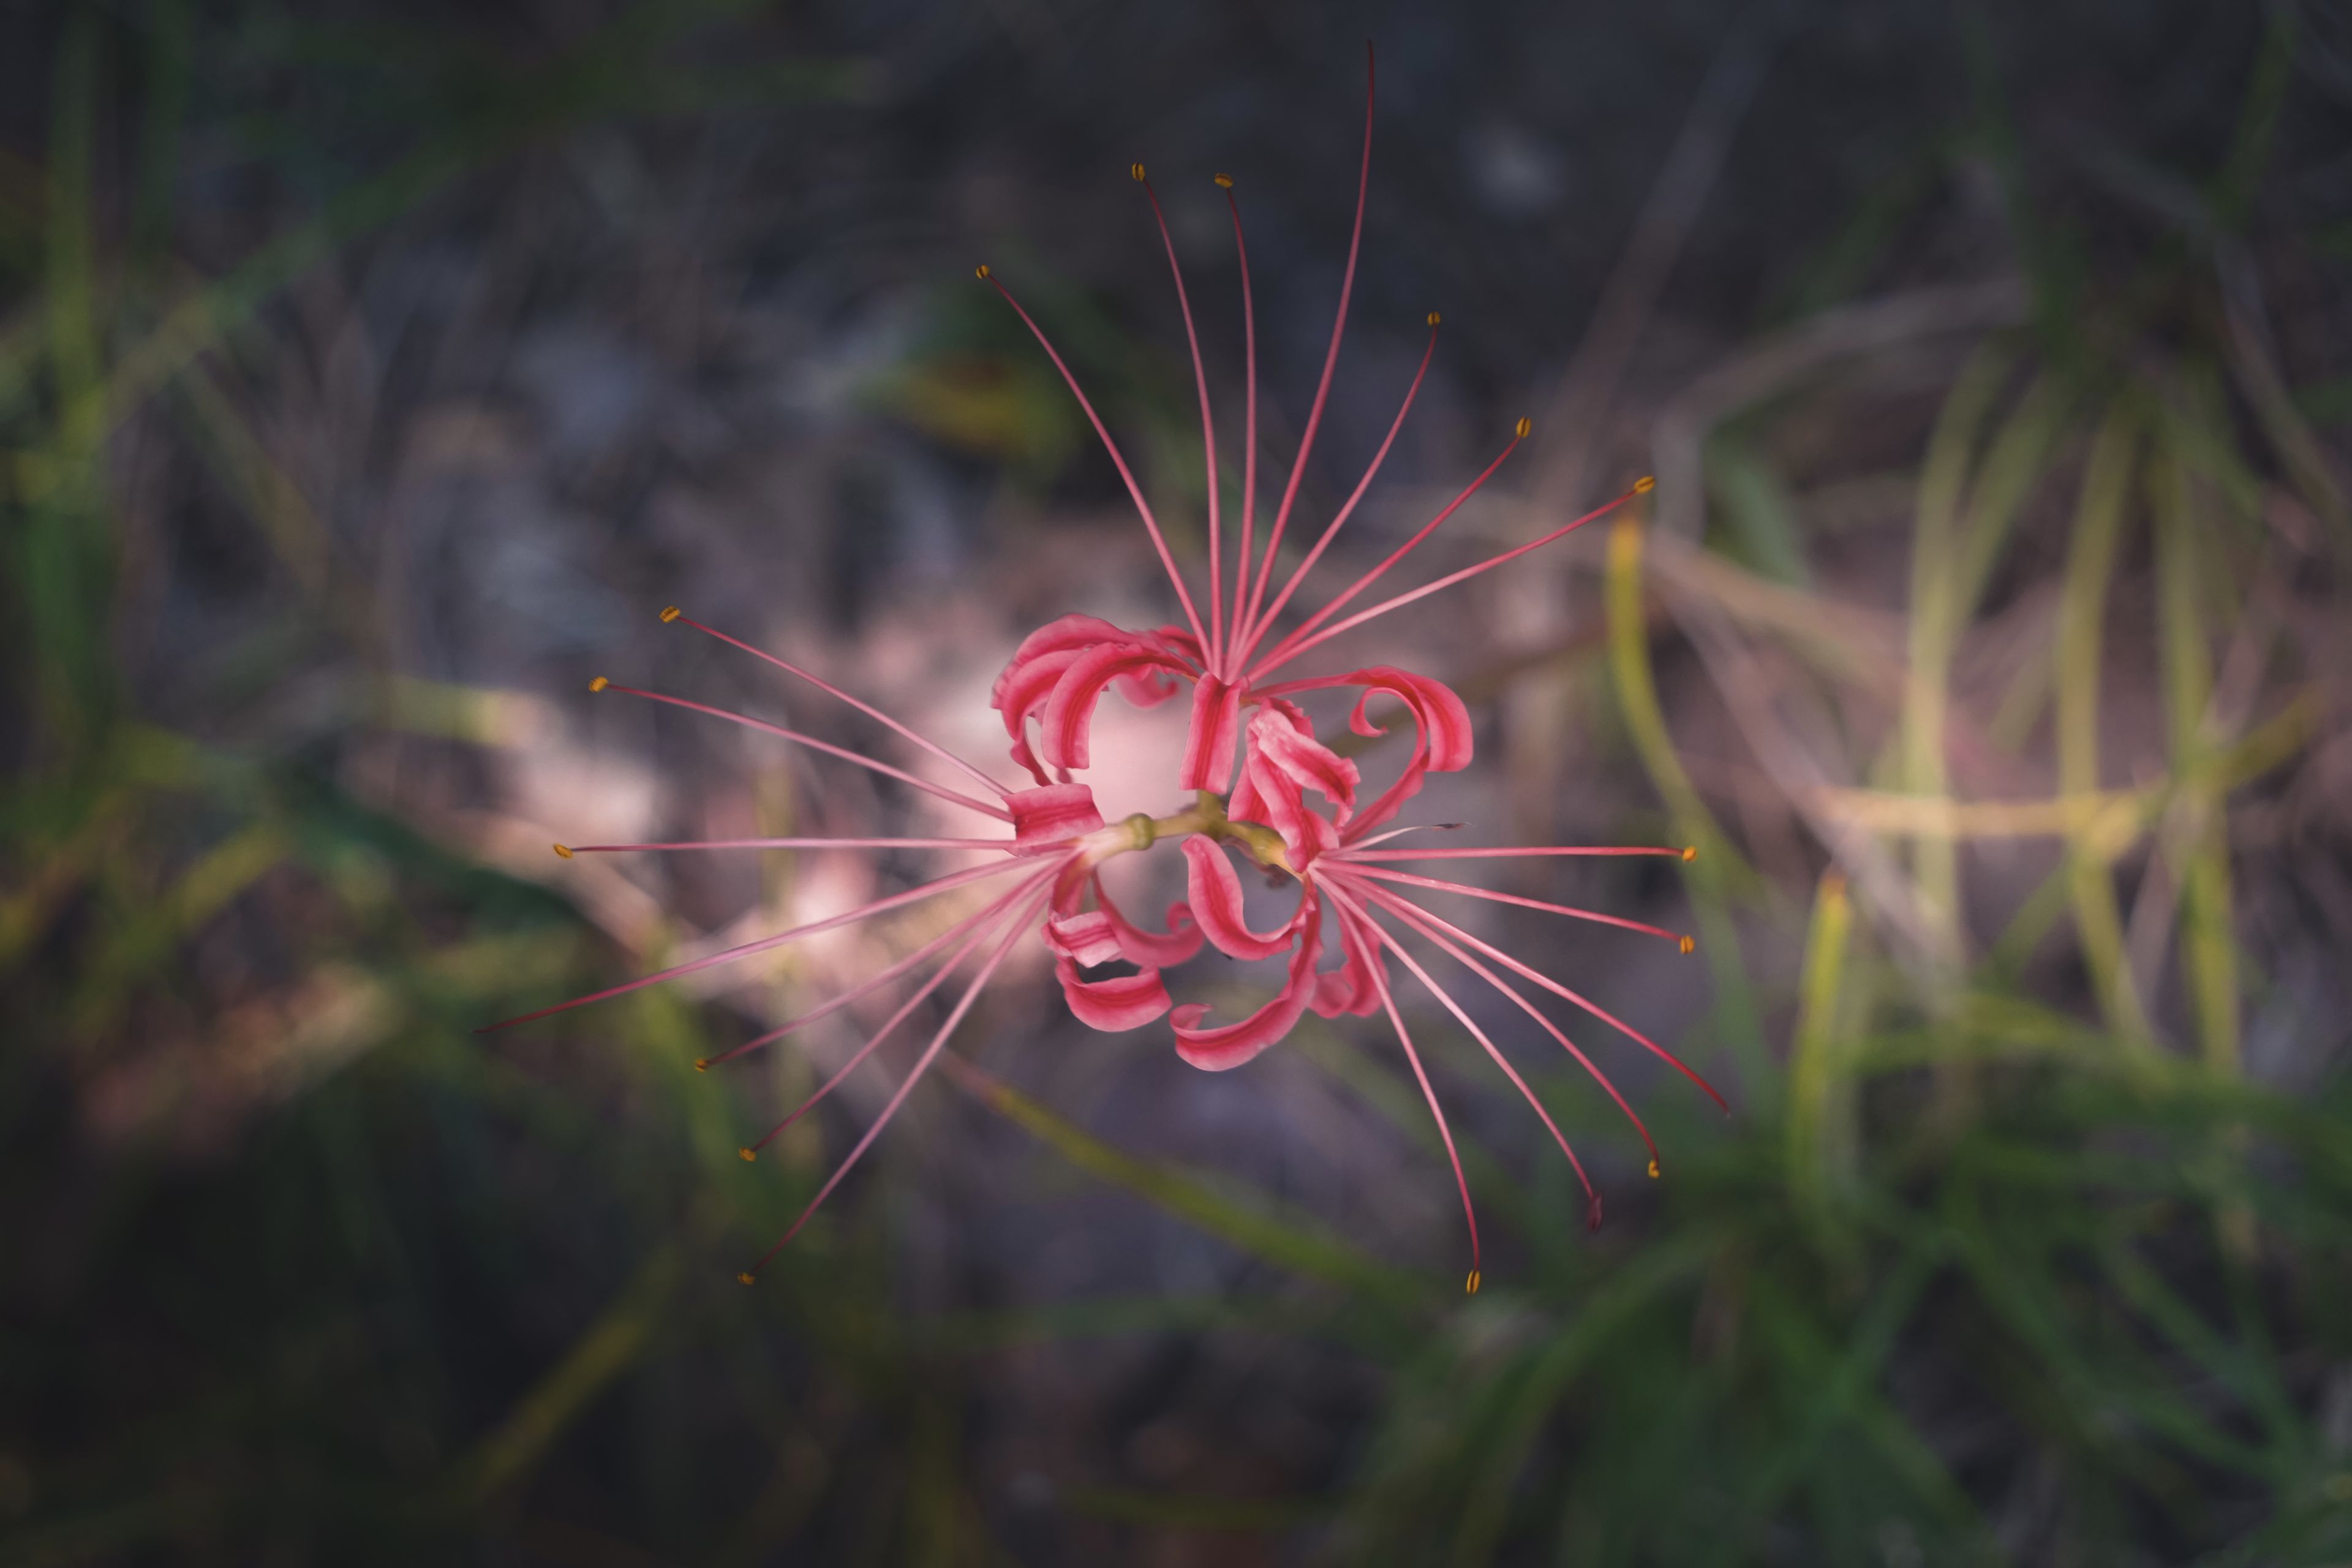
1249, 417
827, 686
1568, 909
1391, 900
981, 930
1213, 649
1413, 915
871, 983
915, 1076
844, 752
1476, 1033
1118, 459
1505, 852
1287, 648
1297, 644
865, 911
1257, 631
1330, 357
568, 850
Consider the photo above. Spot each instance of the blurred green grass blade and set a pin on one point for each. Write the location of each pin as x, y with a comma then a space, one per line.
1288, 1243
1821, 1137
2082, 644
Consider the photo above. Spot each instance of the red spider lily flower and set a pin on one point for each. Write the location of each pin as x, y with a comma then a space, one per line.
1251, 763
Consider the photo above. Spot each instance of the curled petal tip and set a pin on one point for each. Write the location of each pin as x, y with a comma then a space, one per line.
598, 684
1523, 427
1135, 170
1470, 1286
1688, 946
669, 613
1224, 181
1432, 317
748, 1153
744, 1277
1653, 1169
1690, 853
980, 271
1644, 485
562, 852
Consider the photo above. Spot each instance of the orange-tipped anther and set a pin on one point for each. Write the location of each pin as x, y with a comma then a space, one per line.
564, 852
702, 1063
748, 1153
1690, 853
1688, 945
669, 613
598, 684
1224, 181
1135, 170
1470, 1286
980, 271
744, 1277
1644, 485
1432, 317
1653, 1170
1523, 427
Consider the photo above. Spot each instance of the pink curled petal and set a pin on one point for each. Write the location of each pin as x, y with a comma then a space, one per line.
1306, 762
1274, 798
1182, 644
1153, 950
1209, 744
1125, 1002
1085, 940
1218, 1050
1443, 739
1149, 689
1066, 636
1047, 818
1357, 985
1070, 710
1216, 899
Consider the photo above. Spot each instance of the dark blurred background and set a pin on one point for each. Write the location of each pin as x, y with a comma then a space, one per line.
371, 374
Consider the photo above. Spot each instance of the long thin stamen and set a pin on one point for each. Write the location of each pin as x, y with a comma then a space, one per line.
1212, 651
1330, 356
1249, 416
915, 1076
1570, 911
1257, 631
1134, 491
1562, 992
569, 850
1687, 852
1593, 1199
1453, 1157
981, 932
913, 895
844, 752
673, 614
872, 983
1283, 650
1415, 917
1354, 850
1295, 645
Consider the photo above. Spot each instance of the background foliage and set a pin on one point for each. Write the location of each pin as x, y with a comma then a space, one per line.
369, 375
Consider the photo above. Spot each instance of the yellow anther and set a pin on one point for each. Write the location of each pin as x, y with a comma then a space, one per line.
749, 1154
1644, 485
1224, 181
1690, 853
1653, 1169
1470, 1286
1136, 169
669, 613
1432, 317
598, 684
1523, 427
1688, 946
744, 1277
702, 1063
981, 270
562, 852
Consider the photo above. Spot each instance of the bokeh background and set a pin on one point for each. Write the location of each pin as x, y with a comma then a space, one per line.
372, 374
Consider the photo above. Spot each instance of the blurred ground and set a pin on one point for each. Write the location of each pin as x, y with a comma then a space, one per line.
371, 377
